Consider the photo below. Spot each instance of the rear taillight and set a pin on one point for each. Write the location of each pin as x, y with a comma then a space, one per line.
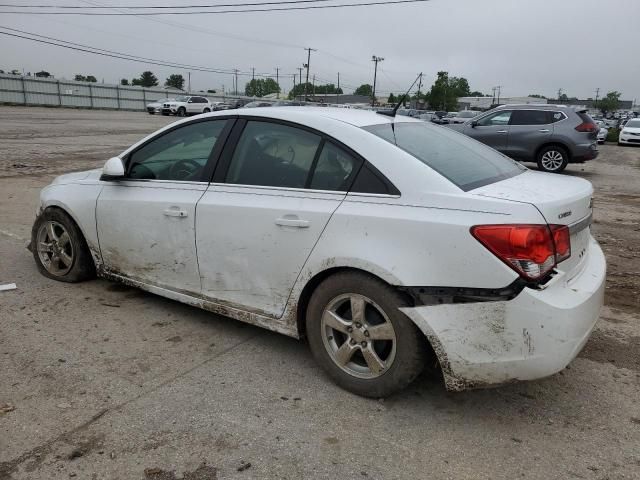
531, 250
587, 127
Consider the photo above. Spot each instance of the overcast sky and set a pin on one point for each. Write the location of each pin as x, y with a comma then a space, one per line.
526, 46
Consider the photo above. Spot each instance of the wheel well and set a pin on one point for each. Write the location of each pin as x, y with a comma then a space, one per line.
553, 144
73, 220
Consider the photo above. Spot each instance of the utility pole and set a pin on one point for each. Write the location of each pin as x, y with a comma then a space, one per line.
375, 60
493, 99
235, 83
300, 70
419, 85
314, 84
253, 73
559, 93
294, 86
307, 65
277, 81
338, 90
499, 87
597, 95
189, 84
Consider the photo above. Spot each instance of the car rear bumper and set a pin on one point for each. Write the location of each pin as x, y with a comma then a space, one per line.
535, 335
584, 152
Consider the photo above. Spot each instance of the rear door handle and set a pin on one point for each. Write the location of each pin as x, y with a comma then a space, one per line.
175, 212
292, 221
544, 130
501, 131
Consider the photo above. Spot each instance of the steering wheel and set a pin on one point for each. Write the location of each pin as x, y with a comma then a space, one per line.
183, 169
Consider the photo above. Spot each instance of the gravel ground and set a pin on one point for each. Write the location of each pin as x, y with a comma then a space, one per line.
102, 381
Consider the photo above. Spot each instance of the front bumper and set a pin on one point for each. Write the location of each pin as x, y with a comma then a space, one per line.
629, 139
535, 335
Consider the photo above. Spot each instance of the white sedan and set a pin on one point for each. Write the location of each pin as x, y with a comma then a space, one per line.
630, 133
386, 243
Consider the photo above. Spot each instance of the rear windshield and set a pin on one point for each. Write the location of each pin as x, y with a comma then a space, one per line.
462, 160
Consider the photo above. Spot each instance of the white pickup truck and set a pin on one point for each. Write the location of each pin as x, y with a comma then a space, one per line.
186, 105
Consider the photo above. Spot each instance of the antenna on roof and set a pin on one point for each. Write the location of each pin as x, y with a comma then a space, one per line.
392, 113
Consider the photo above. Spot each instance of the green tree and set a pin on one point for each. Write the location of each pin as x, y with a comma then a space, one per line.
80, 78
175, 81
147, 79
211, 91
535, 95
90, 78
392, 98
15, 71
326, 89
43, 74
259, 87
610, 102
124, 81
364, 89
476, 93
445, 91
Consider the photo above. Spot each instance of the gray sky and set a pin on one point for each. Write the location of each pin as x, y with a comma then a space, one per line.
526, 46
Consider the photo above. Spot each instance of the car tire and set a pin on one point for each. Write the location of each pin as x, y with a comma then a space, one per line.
152, 113
182, 112
59, 248
357, 359
206, 110
552, 159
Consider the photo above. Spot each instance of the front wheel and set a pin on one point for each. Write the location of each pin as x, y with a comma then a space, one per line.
206, 110
552, 159
360, 338
182, 112
60, 251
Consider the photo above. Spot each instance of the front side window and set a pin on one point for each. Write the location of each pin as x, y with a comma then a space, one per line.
460, 159
530, 117
333, 170
273, 155
496, 119
180, 154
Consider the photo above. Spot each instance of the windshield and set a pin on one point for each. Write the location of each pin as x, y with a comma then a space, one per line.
633, 124
182, 99
460, 159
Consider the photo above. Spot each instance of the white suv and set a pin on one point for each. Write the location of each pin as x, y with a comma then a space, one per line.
186, 105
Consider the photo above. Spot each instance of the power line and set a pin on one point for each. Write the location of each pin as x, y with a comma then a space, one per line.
176, 7
209, 12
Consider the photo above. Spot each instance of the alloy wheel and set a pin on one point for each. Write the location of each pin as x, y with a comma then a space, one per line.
358, 336
552, 160
55, 248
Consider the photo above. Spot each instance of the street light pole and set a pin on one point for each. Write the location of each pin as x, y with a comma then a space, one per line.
278, 82
375, 75
308, 64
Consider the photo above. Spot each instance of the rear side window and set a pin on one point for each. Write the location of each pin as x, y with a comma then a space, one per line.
273, 155
557, 116
333, 170
463, 161
371, 181
530, 117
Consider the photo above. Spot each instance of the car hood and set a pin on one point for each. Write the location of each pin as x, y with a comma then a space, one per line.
154, 104
561, 199
76, 177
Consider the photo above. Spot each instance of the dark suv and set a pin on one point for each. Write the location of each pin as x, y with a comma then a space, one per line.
550, 135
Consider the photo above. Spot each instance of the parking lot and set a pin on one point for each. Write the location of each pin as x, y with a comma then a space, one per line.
110, 382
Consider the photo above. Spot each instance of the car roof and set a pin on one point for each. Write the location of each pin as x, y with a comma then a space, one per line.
352, 116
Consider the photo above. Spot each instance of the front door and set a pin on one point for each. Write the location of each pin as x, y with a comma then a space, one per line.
258, 223
146, 222
492, 129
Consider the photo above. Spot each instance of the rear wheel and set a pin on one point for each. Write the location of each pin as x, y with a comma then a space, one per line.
360, 338
552, 159
59, 248
206, 110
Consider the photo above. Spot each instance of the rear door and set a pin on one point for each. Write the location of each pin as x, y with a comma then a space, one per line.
274, 192
492, 129
528, 130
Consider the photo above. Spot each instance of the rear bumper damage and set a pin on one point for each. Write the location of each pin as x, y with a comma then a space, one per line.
534, 335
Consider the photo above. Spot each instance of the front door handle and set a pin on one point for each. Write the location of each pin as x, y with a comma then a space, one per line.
501, 131
292, 221
544, 130
175, 212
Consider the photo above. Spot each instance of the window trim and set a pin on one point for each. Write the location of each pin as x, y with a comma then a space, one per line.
224, 161
209, 166
549, 111
496, 114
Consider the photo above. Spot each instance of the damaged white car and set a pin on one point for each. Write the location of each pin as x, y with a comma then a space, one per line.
388, 243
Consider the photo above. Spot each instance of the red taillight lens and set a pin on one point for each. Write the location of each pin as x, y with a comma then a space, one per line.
587, 127
562, 241
531, 250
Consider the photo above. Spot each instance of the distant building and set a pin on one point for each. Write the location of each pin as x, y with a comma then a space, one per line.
485, 103
590, 103
337, 98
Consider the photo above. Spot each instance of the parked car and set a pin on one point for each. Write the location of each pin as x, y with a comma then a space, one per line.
288, 103
630, 134
156, 105
478, 272
602, 132
550, 135
427, 117
258, 104
463, 116
186, 105
611, 123
439, 116
448, 117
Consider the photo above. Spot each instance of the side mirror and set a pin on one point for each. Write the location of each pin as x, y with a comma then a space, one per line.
474, 123
190, 101
113, 169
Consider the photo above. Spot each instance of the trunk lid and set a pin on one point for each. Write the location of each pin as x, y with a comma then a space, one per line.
562, 200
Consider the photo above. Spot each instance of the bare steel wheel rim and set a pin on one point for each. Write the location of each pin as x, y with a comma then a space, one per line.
552, 160
55, 248
358, 336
